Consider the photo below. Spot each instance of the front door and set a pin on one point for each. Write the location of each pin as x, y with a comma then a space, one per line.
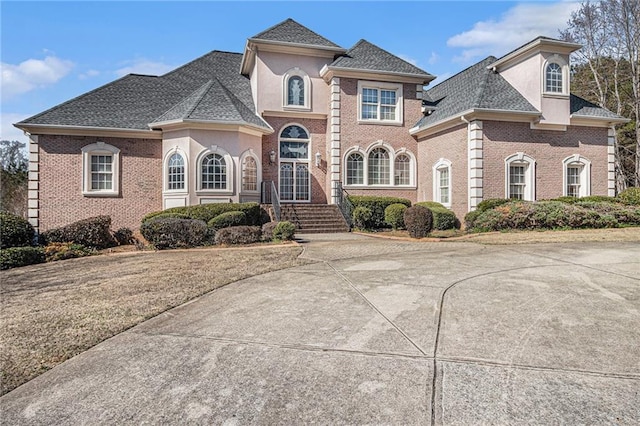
295, 182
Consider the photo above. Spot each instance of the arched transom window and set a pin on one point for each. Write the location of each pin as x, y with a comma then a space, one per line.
553, 76
379, 170
379, 165
214, 172
249, 174
175, 172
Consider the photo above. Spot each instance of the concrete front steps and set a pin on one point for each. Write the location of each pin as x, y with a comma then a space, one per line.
314, 218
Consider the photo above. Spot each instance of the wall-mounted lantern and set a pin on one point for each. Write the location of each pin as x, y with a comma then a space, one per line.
272, 157
318, 159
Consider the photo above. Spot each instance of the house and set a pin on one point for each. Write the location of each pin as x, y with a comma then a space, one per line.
315, 118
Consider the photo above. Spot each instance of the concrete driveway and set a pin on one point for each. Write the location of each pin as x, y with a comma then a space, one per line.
378, 332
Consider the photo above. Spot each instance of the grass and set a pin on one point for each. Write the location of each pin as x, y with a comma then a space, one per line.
52, 312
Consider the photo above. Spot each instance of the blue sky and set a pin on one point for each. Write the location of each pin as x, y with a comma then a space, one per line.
54, 51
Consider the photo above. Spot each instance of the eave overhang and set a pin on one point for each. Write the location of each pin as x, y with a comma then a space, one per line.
56, 129
227, 126
591, 121
328, 72
539, 44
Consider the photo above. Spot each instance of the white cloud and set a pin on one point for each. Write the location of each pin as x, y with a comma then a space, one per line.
144, 66
518, 25
434, 58
408, 59
10, 133
32, 74
89, 74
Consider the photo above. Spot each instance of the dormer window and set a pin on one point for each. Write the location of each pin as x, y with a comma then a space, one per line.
556, 73
297, 89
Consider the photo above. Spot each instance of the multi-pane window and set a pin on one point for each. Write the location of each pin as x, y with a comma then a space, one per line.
379, 167
249, 174
214, 172
101, 172
175, 172
517, 181
553, 78
402, 172
355, 169
379, 104
295, 91
573, 181
443, 185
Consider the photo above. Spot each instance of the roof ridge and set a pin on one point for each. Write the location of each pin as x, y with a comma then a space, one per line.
204, 88
260, 35
197, 59
490, 57
481, 87
235, 102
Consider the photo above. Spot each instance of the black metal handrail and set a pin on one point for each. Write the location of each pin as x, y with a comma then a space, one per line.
343, 203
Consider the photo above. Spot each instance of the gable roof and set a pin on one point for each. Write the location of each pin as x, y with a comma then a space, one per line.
367, 56
135, 101
290, 31
583, 108
473, 88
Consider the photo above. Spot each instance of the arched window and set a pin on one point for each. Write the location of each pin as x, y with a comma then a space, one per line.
175, 172
297, 89
442, 182
355, 169
520, 177
553, 76
379, 167
402, 170
214, 172
249, 174
577, 176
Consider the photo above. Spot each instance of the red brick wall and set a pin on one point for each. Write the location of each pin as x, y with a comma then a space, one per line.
548, 148
318, 134
364, 134
61, 200
451, 145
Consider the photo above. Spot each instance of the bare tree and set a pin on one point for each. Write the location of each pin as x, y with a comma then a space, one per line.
13, 178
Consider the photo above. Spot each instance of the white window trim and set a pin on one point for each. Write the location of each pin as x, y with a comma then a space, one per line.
243, 157
585, 174
296, 72
384, 86
165, 172
564, 65
214, 149
100, 148
441, 164
529, 176
392, 162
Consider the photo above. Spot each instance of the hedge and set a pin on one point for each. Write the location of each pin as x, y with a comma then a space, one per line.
124, 236
443, 218
491, 203
377, 205
206, 212
238, 235
630, 196
92, 232
418, 221
227, 219
167, 233
14, 257
15, 231
394, 215
361, 217
284, 231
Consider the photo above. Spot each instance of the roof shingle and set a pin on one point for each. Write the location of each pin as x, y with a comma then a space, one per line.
289, 31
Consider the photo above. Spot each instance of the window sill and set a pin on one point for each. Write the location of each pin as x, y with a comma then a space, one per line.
205, 192
410, 187
296, 108
175, 192
98, 194
553, 95
381, 122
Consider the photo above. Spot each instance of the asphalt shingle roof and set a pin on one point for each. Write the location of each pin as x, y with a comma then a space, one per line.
584, 108
367, 56
289, 31
474, 87
134, 101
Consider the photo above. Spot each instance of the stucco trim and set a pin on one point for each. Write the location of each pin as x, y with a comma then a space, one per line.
111, 132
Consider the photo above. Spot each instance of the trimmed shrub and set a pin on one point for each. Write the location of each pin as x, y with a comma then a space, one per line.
418, 221
168, 215
377, 205
492, 203
598, 199
124, 236
238, 235
227, 219
206, 212
443, 218
62, 251
394, 215
284, 231
14, 257
565, 199
15, 231
470, 219
267, 230
361, 217
93, 232
170, 233
630, 196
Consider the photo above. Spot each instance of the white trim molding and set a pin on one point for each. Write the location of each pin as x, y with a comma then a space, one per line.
33, 203
215, 149
475, 164
334, 147
520, 158
100, 149
584, 175
611, 162
165, 172
564, 67
438, 167
379, 86
393, 154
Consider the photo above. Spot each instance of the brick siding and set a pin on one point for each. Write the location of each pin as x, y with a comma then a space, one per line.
61, 201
